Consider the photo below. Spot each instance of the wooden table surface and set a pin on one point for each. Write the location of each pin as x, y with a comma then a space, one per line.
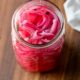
10, 70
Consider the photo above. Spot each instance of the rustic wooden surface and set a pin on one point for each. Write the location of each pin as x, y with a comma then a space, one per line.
10, 70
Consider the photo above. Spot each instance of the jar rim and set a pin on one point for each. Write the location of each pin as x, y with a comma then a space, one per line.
39, 45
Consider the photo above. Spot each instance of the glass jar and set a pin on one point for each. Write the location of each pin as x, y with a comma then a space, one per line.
37, 57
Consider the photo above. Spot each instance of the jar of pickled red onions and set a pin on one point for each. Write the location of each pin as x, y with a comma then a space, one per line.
38, 35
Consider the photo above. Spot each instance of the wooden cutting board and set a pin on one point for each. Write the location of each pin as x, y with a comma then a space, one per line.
10, 70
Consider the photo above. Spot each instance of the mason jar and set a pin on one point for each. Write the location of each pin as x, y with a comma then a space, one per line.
38, 57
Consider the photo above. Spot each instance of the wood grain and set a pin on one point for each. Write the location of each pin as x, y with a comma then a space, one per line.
69, 68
